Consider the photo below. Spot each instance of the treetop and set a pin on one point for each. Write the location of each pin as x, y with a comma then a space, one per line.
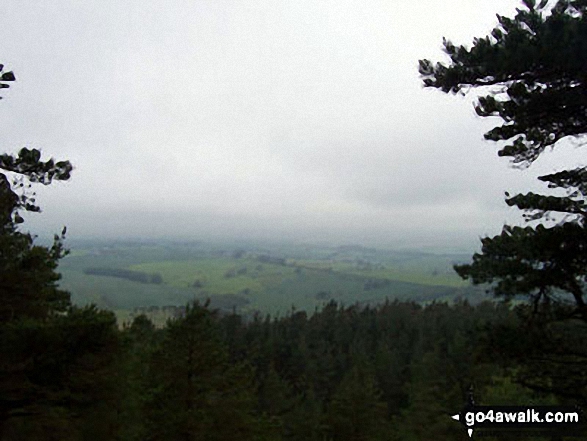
535, 67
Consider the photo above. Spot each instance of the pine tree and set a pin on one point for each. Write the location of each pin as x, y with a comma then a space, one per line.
56, 376
195, 393
356, 411
534, 69
29, 294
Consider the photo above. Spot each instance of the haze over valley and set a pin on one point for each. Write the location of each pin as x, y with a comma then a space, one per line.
305, 121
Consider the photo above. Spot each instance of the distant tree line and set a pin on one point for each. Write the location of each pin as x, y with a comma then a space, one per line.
134, 276
265, 258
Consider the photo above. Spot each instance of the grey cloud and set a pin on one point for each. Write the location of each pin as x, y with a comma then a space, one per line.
213, 117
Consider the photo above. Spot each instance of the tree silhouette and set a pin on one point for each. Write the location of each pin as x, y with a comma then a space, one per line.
534, 67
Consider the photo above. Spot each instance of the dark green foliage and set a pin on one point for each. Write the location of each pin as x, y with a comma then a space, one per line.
392, 372
367, 373
138, 341
56, 375
28, 277
194, 391
540, 262
28, 280
546, 353
356, 411
543, 261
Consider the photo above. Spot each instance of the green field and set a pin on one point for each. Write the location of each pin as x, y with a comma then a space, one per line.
419, 275
254, 278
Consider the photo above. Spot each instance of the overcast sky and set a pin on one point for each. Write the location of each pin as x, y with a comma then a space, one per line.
303, 119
